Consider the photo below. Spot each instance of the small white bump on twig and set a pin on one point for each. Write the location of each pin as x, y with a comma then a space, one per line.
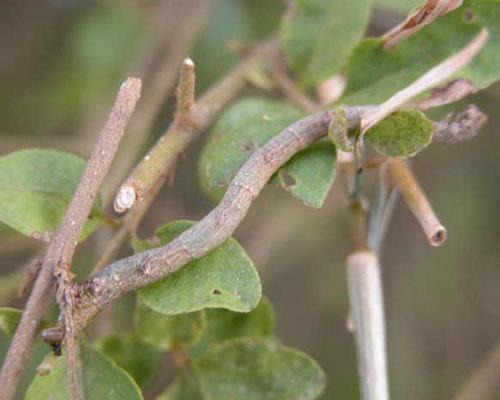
125, 199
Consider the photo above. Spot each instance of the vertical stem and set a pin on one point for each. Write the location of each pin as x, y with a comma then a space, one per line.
381, 214
367, 308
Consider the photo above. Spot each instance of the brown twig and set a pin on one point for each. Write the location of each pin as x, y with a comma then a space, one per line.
78, 211
61, 249
400, 175
150, 168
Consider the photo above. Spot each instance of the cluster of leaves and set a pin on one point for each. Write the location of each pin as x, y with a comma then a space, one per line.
210, 314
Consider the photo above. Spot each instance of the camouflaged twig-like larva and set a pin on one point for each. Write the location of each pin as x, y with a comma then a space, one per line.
338, 130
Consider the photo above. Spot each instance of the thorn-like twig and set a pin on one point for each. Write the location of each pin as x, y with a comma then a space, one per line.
60, 252
400, 176
145, 174
185, 97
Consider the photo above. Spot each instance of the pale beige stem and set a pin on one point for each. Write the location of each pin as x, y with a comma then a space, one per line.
400, 175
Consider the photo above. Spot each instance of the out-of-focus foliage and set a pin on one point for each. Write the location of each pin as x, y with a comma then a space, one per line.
93, 54
36, 187
318, 35
168, 331
223, 325
403, 6
232, 25
9, 318
140, 359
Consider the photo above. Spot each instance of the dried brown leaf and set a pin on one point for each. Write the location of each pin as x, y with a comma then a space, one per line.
431, 10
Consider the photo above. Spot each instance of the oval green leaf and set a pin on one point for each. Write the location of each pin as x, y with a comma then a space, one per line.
309, 175
224, 278
102, 379
185, 387
168, 331
318, 36
257, 369
402, 134
246, 126
140, 359
223, 325
36, 187
9, 319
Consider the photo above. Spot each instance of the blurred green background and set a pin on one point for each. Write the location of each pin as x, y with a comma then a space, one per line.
61, 62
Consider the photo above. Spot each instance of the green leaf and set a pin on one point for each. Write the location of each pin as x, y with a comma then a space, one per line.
102, 379
310, 174
249, 124
36, 187
140, 359
227, 22
9, 319
256, 369
374, 74
318, 36
168, 331
401, 134
398, 5
223, 325
224, 278
185, 387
